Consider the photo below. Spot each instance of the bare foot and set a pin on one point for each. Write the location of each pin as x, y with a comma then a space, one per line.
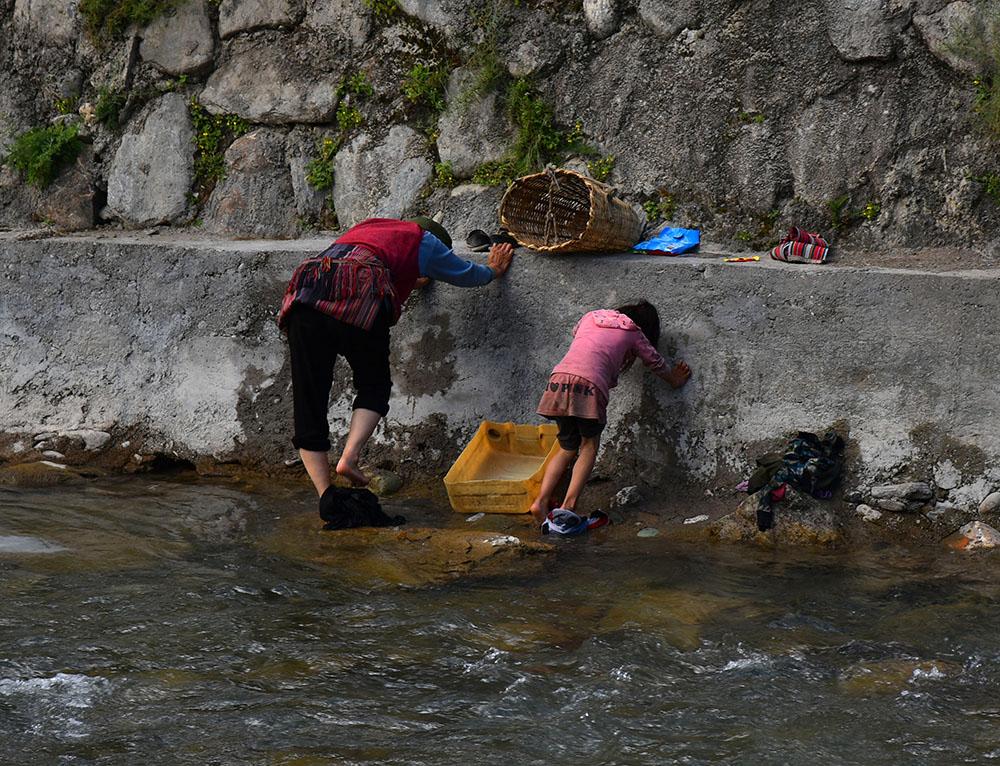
680, 375
539, 511
350, 471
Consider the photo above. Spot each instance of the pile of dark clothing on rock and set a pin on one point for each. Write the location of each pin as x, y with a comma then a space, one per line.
809, 464
344, 508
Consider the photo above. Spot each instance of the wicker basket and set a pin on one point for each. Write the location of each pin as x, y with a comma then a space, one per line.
561, 211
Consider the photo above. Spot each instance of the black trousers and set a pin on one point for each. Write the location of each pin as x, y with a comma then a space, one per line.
315, 340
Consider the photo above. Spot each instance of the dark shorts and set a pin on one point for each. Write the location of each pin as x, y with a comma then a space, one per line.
315, 341
572, 431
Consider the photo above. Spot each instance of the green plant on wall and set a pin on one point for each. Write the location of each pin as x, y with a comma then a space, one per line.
108, 108
991, 186
352, 90
538, 140
444, 175
319, 171
424, 85
212, 135
602, 167
382, 10
979, 42
841, 214
488, 72
871, 211
662, 208
106, 20
42, 152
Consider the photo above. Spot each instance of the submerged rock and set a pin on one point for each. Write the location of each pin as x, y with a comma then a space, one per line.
408, 556
892, 676
44, 473
676, 616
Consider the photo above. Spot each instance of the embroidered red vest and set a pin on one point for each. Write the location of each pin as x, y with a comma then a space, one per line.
397, 244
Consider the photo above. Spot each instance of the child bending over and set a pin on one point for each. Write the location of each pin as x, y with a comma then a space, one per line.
605, 344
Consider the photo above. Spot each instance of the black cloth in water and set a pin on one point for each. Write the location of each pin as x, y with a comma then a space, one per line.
344, 508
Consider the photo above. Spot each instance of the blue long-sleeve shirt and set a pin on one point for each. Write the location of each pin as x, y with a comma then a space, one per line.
438, 261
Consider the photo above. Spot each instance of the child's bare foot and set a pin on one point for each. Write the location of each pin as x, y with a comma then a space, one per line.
350, 471
680, 375
538, 511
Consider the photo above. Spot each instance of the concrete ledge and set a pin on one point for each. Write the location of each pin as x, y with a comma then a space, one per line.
171, 345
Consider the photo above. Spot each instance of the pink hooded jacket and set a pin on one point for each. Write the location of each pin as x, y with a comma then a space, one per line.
604, 343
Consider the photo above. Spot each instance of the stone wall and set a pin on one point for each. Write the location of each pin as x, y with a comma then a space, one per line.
133, 347
747, 116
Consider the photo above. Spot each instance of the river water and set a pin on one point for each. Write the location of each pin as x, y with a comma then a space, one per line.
141, 622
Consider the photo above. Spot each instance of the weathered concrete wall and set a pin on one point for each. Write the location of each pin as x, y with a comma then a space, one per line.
172, 347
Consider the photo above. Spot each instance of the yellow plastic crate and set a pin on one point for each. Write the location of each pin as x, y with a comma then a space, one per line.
501, 469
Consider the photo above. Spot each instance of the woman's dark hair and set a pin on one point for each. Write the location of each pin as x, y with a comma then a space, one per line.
644, 315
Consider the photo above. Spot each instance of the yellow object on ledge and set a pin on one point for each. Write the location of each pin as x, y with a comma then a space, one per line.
500, 471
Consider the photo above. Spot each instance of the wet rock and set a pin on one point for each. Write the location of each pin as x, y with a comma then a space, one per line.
386, 483
92, 439
991, 504
181, 41
800, 520
68, 203
603, 17
275, 79
382, 180
628, 496
939, 31
237, 16
868, 513
52, 21
974, 536
892, 676
914, 490
349, 20
255, 199
666, 18
152, 170
472, 130
860, 29
408, 556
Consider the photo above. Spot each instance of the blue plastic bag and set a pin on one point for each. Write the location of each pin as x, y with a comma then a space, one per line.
671, 241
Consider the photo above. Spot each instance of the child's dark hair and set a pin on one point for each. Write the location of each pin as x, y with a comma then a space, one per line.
645, 316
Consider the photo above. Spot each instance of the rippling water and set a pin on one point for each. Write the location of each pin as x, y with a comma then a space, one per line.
142, 623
